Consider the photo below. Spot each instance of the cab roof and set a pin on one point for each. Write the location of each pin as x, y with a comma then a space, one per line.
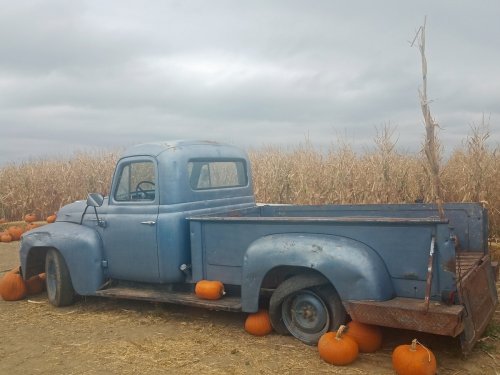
156, 148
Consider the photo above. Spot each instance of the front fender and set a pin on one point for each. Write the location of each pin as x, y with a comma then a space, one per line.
80, 246
356, 270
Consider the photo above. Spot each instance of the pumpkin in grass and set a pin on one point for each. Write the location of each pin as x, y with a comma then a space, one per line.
12, 286
15, 232
413, 359
30, 218
368, 337
207, 289
51, 218
35, 284
337, 348
5, 237
259, 323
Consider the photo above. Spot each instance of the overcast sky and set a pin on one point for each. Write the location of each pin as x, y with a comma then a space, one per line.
76, 75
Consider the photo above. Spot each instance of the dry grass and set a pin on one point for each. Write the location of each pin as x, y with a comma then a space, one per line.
43, 186
299, 174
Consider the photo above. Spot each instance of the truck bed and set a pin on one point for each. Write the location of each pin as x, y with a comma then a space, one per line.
469, 220
400, 234
459, 294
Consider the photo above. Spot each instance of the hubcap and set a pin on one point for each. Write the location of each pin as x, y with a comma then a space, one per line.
305, 315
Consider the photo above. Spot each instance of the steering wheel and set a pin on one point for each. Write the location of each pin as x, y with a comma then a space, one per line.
139, 188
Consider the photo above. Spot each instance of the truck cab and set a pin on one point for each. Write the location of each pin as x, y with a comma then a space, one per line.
155, 187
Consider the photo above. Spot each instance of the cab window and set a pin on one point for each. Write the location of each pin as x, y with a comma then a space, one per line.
216, 174
136, 182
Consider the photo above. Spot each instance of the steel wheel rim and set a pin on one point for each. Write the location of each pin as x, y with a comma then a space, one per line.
305, 315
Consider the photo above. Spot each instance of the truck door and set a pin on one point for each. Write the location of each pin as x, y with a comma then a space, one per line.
130, 231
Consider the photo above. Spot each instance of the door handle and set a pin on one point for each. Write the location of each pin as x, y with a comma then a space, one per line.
148, 222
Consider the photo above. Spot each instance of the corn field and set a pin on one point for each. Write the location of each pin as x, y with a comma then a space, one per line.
300, 174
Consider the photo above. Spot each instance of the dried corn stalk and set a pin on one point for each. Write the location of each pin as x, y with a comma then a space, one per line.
431, 145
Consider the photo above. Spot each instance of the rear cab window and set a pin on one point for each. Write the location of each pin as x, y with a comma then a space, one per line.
206, 174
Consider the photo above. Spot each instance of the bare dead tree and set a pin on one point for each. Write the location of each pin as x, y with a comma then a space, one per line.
431, 144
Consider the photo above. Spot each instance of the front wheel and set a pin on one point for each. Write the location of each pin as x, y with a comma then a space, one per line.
59, 287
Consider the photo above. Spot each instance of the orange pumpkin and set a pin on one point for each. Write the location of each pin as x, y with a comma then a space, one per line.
5, 237
15, 232
368, 337
259, 323
3, 221
51, 218
209, 289
337, 348
413, 359
30, 218
35, 284
12, 286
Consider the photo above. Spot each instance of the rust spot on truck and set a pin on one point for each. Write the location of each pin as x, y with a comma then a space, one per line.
410, 276
409, 313
316, 248
450, 265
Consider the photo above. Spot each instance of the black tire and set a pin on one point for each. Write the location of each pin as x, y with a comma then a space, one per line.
59, 286
287, 287
306, 306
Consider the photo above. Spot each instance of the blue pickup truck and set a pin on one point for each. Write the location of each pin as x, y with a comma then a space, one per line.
182, 211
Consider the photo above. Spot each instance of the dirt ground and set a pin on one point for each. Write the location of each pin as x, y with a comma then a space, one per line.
103, 336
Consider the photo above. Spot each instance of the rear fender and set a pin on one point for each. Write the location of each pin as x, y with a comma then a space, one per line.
80, 246
356, 270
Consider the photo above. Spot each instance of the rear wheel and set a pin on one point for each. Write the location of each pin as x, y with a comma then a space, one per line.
59, 287
306, 306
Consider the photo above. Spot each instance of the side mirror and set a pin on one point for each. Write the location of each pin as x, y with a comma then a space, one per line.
95, 200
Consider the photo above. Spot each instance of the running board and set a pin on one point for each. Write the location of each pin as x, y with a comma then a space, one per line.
180, 298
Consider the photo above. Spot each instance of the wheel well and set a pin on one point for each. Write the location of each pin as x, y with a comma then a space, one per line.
35, 262
279, 274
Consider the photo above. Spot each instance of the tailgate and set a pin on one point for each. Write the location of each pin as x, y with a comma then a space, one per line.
478, 294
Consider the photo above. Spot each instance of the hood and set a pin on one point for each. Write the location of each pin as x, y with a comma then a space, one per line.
72, 212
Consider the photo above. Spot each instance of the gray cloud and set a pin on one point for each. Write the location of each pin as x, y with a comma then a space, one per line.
84, 74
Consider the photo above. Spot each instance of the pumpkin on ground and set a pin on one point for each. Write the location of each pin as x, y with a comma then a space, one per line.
259, 323
12, 286
413, 359
207, 289
51, 218
35, 284
15, 232
337, 348
30, 218
368, 337
5, 237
